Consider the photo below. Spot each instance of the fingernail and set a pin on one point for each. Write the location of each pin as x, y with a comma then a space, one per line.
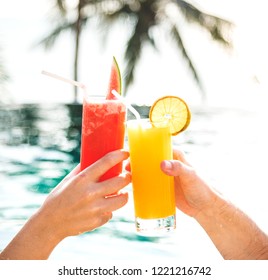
167, 165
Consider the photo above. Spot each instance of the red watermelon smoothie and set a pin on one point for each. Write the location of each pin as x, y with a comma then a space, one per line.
103, 129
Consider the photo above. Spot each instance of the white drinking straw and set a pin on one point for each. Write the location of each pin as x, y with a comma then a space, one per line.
129, 106
72, 82
78, 84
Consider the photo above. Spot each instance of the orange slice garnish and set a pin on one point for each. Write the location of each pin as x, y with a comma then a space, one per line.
171, 109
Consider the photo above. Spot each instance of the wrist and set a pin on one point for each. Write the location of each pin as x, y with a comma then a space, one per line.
35, 241
47, 227
216, 207
41, 235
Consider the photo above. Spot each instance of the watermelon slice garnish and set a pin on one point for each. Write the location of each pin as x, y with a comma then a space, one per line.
115, 80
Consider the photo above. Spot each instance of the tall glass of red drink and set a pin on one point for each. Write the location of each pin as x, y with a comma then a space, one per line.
103, 129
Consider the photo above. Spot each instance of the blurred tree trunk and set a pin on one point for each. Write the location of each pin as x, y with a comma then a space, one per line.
78, 28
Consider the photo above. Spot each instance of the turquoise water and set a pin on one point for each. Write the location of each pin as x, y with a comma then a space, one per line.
40, 144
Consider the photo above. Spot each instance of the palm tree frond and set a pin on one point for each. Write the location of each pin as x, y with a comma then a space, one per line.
217, 32
176, 36
4, 76
145, 20
132, 55
214, 25
49, 40
61, 5
113, 14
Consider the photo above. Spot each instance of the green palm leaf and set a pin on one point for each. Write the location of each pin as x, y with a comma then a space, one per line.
176, 36
214, 25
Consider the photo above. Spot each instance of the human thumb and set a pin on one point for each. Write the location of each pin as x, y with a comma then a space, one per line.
172, 167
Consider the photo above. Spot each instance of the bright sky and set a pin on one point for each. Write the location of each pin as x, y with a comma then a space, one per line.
226, 77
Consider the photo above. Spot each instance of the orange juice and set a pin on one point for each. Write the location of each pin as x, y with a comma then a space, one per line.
153, 191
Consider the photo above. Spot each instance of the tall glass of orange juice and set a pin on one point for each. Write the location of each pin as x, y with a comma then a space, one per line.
153, 191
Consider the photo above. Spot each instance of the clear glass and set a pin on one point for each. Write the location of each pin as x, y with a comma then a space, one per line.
153, 191
103, 128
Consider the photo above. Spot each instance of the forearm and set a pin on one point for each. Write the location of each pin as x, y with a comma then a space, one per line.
35, 241
234, 234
